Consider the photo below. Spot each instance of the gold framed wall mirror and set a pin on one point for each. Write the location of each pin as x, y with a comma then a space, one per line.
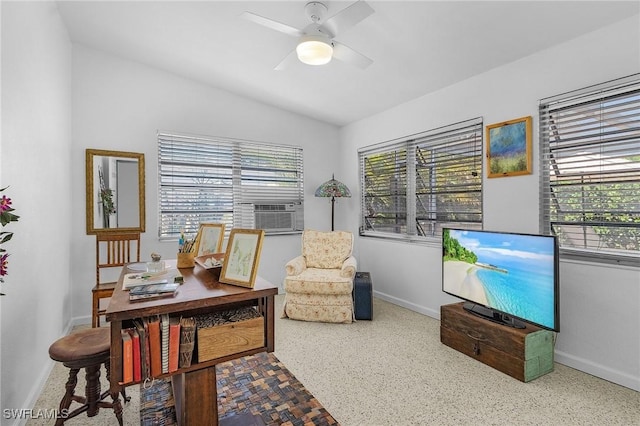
115, 191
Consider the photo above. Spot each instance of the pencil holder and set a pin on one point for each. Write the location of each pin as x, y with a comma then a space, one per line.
185, 260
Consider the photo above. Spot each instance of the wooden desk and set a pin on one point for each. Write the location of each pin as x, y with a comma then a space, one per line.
195, 386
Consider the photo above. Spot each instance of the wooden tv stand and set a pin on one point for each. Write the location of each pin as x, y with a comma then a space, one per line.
194, 387
524, 354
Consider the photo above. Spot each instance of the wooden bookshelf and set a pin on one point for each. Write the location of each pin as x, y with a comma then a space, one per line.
195, 386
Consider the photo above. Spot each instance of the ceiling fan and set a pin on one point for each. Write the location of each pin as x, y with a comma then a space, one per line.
316, 44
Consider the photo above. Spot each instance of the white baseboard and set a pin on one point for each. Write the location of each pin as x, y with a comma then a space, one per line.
598, 370
411, 306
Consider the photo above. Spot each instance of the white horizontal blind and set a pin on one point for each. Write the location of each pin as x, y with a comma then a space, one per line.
415, 185
207, 179
384, 190
269, 173
449, 179
590, 188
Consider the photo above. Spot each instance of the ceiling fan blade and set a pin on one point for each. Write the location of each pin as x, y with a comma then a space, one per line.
291, 58
270, 23
347, 17
350, 56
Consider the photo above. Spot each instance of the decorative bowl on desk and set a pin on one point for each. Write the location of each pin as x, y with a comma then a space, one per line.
211, 262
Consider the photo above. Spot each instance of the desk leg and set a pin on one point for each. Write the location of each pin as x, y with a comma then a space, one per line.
270, 319
115, 358
196, 397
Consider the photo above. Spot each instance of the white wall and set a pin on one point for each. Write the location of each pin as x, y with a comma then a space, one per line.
121, 105
599, 305
36, 165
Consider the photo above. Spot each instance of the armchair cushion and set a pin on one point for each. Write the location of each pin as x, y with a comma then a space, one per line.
319, 281
295, 266
319, 307
349, 267
326, 250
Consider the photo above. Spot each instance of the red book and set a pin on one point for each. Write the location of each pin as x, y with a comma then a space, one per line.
127, 357
137, 366
155, 348
174, 344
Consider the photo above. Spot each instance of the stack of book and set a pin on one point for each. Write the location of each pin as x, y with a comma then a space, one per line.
155, 346
153, 291
167, 276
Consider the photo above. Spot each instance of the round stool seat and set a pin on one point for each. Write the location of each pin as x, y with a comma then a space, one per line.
88, 349
83, 348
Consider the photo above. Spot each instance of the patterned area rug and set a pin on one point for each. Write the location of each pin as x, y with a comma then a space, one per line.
259, 389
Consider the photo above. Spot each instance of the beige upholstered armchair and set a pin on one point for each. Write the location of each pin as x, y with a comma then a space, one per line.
319, 282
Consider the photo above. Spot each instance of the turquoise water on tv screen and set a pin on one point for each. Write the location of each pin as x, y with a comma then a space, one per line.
526, 291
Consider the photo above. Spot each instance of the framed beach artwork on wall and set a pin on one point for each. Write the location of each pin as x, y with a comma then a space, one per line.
242, 257
209, 239
509, 148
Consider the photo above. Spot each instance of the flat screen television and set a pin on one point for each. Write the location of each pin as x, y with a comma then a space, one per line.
505, 277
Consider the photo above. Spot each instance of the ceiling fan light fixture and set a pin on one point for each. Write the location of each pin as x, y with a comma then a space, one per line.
314, 50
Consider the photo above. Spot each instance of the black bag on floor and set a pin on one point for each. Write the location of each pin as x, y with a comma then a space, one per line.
363, 296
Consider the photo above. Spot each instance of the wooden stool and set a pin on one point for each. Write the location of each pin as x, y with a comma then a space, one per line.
87, 349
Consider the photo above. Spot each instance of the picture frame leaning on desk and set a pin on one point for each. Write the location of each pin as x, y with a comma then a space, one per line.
209, 239
242, 257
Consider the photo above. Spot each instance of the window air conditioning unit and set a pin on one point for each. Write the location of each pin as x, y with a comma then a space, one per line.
279, 217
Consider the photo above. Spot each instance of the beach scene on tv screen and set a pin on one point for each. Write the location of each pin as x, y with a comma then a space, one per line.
508, 272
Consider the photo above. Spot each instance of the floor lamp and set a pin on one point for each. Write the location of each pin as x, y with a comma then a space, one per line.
333, 188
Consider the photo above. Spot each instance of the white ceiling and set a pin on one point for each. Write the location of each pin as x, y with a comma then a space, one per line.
417, 46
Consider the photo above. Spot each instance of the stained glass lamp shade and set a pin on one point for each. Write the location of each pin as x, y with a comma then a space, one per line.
333, 188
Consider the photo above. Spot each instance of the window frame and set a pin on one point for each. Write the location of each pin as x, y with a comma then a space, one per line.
447, 145
558, 140
230, 176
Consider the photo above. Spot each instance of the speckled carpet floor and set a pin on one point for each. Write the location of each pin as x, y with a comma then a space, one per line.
393, 371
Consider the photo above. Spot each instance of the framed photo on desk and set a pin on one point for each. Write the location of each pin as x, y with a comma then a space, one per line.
242, 257
209, 239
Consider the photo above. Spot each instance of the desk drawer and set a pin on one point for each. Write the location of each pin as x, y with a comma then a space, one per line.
230, 338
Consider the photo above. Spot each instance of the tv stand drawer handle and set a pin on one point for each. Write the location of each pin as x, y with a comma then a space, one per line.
477, 337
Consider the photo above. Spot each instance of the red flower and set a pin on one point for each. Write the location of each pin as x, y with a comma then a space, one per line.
3, 264
5, 203
6, 217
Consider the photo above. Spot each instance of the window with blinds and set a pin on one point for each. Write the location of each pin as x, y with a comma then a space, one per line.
414, 186
218, 180
590, 189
